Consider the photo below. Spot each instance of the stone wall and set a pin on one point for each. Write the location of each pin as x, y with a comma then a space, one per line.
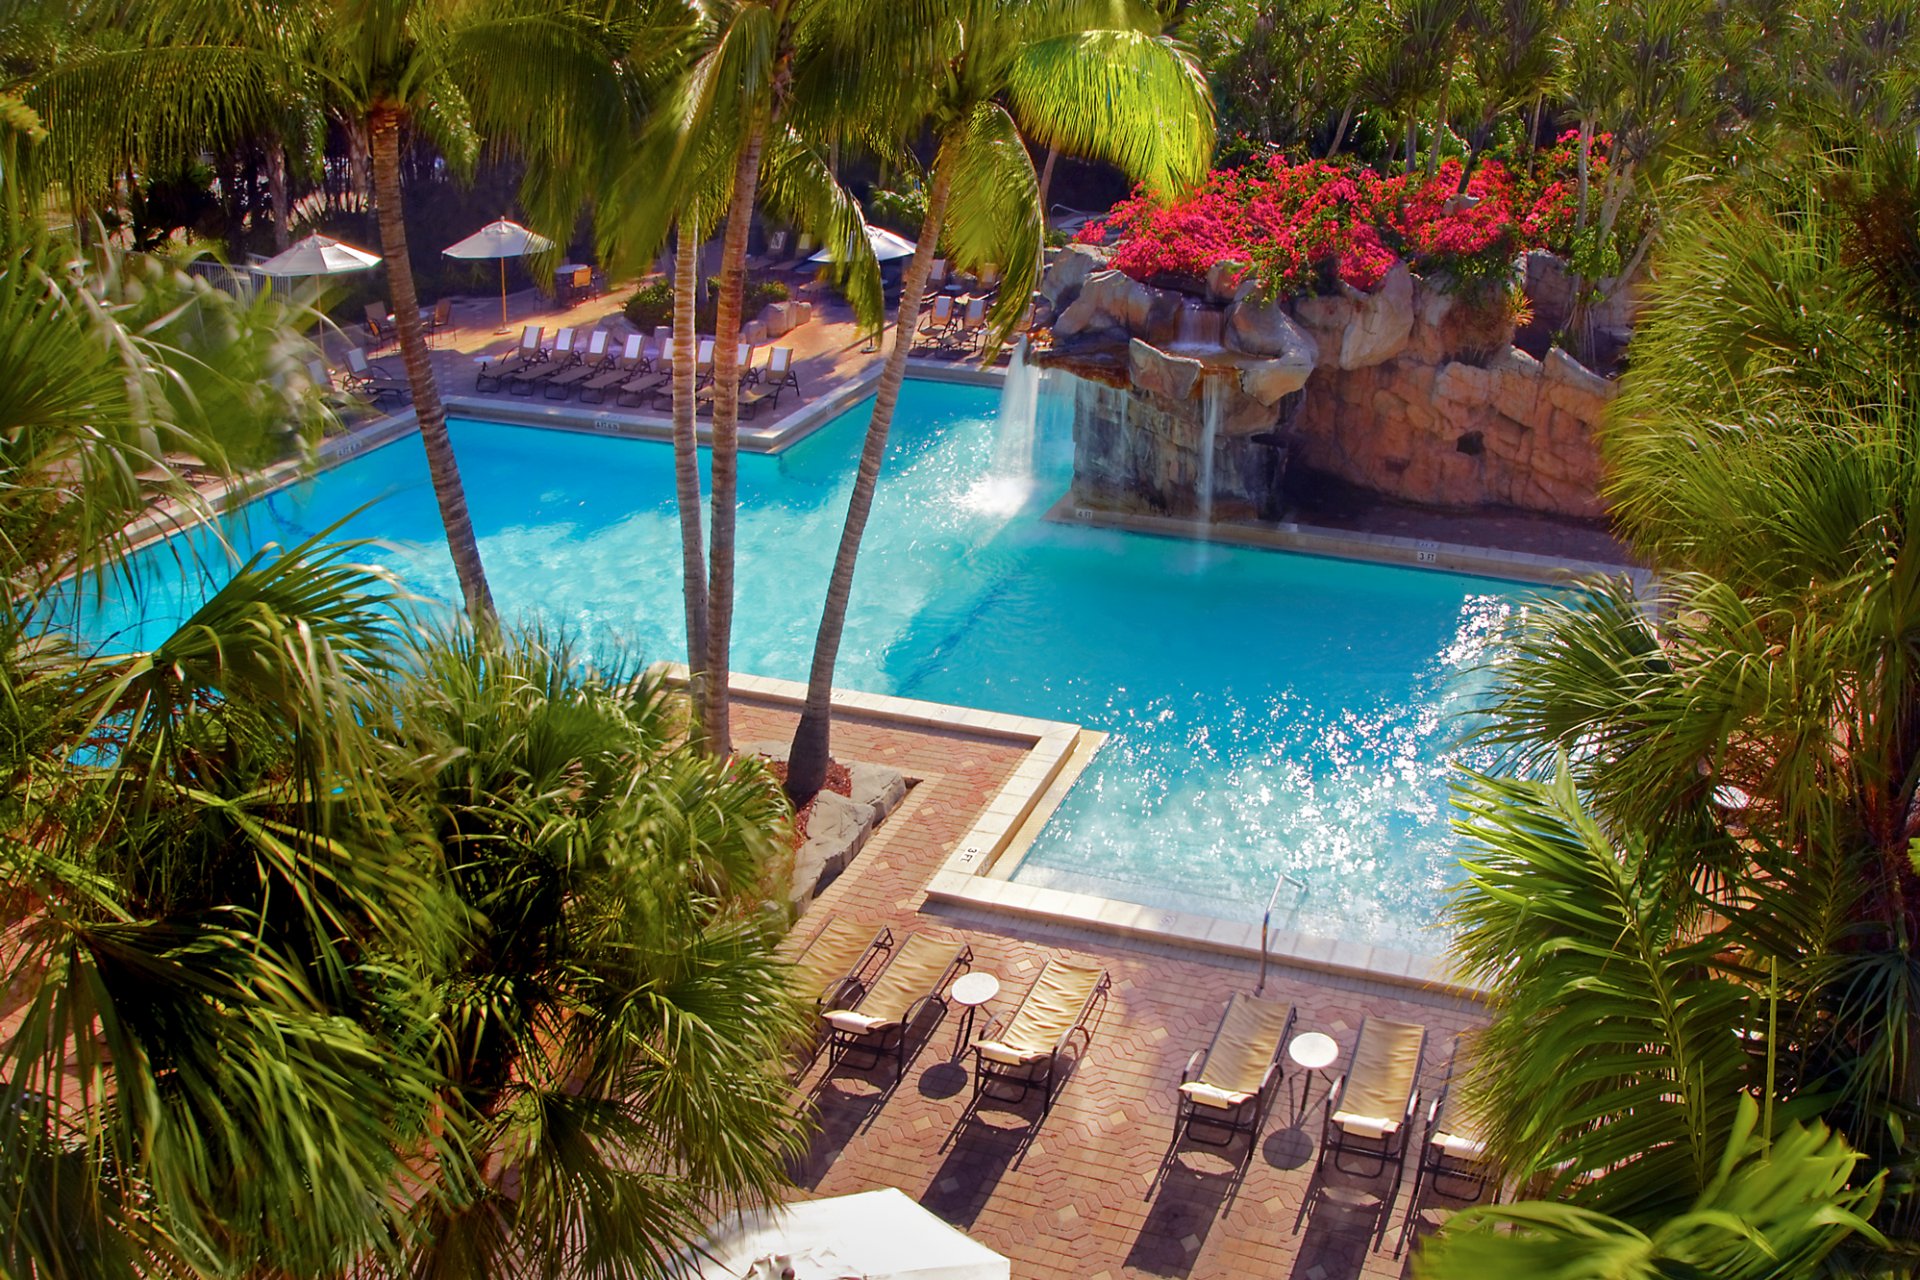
1399, 391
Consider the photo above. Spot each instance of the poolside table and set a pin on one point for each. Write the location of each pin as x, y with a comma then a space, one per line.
1313, 1052
970, 991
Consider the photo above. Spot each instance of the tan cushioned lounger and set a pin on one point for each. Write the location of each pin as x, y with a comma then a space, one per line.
1457, 1133
915, 971
1049, 1012
1242, 1050
1381, 1078
830, 956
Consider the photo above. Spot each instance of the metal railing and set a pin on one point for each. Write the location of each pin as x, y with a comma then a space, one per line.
1266, 921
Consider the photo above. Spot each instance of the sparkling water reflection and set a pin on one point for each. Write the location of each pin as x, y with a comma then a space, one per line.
1267, 711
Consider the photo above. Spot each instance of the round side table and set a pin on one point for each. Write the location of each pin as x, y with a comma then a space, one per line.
1313, 1052
970, 991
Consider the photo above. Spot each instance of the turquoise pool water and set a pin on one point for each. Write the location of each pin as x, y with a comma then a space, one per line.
1268, 711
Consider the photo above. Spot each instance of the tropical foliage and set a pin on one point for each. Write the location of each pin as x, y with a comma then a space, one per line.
1717, 897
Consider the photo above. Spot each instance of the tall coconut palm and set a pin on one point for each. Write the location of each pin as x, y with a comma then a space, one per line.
1070, 76
723, 146
539, 79
612, 1024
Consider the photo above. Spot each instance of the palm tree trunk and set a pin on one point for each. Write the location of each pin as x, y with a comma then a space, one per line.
1586, 156
812, 740
277, 191
1340, 130
686, 468
1046, 181
726, 441
384, 128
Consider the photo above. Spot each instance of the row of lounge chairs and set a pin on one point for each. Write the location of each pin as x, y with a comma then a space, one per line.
951, 324
640, 372
363, 380
869, 991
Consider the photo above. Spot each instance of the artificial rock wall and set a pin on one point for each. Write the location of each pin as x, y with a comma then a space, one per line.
1400, 392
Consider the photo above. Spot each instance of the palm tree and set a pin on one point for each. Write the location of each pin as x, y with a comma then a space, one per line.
722, 145
612, 1024
1066, 76
207, 909
535, 78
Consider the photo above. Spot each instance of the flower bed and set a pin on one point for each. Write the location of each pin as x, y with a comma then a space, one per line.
1302, 228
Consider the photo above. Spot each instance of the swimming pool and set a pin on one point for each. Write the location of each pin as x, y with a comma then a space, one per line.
1267, 711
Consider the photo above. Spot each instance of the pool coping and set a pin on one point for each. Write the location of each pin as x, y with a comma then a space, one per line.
1352, 544
1027, 798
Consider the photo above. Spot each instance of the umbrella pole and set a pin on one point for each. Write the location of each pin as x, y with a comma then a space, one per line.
503, 298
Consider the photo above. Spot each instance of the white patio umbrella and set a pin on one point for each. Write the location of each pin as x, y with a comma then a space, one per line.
499, 239
886, 246
318, 256
875, 1235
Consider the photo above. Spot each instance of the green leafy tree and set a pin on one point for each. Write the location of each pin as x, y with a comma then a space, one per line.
1066, 75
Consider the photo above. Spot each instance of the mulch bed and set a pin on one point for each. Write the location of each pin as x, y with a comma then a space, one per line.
839, 778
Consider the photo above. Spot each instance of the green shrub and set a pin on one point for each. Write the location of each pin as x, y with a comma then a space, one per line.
901, 211
650, 306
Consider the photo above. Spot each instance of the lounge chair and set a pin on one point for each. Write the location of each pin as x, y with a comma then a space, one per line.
1370, 1107
779, 373
644, 386
747, 375
522, 381
1454, 1145
882, 1019
660, 345
593, 360
497, 373
373, 382
1230, 1084
702, 361
622, 367
318, 375
937, 274
828, 967
1026, 1053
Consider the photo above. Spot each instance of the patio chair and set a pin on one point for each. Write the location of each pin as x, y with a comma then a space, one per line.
939, 318
882, 1019
370, 380
828, 967
968, 328
645, 385
525, 354
1229, 1085
522, 381
379, 325
937, 274
1370, 1106
1025, 1054
702, 361
439, 319
1454, 1145
620, 367
593, 360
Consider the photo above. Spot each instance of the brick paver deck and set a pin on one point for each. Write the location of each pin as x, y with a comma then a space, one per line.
1085, 1193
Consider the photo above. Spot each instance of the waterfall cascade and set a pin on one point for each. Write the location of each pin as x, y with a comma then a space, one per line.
1019, 412
1213, 401
1199, 328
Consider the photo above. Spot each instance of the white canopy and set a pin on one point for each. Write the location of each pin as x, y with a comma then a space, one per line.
886, 246
499, 239
318, 256
875, 1235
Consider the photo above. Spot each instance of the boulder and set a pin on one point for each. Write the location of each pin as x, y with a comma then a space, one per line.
1154, 371
837, 828
878, 787
1269, 381
1265, 329
1574, 388
1224, 283
1363, 329
1102, 304
1069, 271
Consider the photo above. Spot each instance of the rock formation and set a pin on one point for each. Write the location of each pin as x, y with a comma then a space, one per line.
1403, 391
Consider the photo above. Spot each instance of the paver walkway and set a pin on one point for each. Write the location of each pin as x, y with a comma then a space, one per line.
1083, 1194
